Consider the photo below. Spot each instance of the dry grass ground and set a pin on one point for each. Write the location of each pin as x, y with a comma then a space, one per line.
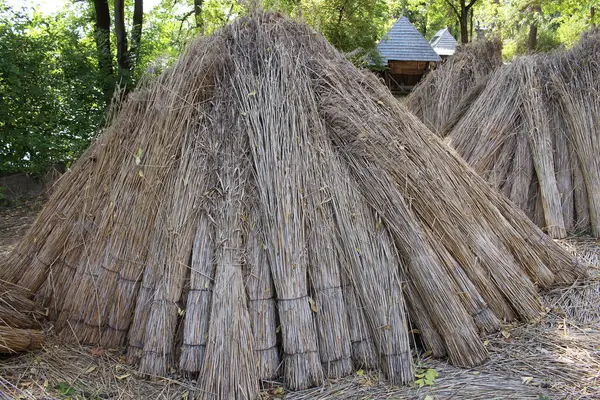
556, 358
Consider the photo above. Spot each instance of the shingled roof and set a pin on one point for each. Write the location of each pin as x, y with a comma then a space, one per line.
443, 42
404, 43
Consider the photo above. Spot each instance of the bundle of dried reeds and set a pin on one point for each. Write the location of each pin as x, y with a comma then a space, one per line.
19, 320
447, 92
266, 209
534, 135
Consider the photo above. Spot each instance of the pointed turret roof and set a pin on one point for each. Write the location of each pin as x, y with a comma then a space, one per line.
404, 43
443, 42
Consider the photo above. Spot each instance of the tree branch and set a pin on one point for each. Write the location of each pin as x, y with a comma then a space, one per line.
122, 56
136, 33
182, 20
453, 7
471, 3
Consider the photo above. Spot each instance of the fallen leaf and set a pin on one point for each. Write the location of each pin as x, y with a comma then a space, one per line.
97, 351
486, 342
252, 93
526, 380
121, 377
313, 304
476, 373
360, 372
430, 376
90, 369
276, 391
505, 333
138, 156
64, 389
428, 397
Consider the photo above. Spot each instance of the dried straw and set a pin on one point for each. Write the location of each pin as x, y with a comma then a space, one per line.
264, 209
445, 93
18, 315
547, 105
13, 340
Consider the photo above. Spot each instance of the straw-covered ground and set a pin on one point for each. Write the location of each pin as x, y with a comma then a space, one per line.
556, 358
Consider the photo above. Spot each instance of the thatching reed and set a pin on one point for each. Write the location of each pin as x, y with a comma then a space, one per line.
266, 209
534, 134
447, 92
20, 329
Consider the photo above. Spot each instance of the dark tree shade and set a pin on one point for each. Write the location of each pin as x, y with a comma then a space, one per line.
102, 35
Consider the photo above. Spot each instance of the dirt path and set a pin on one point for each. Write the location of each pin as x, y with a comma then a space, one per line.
14, 222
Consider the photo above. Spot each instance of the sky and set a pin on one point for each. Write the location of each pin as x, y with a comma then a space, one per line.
52, 6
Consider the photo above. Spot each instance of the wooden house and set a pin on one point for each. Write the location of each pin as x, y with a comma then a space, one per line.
443, 43
406, 54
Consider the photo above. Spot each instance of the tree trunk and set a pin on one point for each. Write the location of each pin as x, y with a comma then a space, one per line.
471, 28
463, 17
136, 33
122, 53
464, 25
102, 36
533, 29
198, 13
532, 40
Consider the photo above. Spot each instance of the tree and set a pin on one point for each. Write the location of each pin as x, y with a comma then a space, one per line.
348, 24
198, 13
127, 57
462, 10
532, 9
104, 54
50, 90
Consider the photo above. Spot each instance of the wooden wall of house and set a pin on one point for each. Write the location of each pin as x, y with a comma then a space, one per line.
407, 67
405, 74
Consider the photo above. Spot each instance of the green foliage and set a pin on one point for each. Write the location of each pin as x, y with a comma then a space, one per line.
560, 23
170, 26
425, 376
427, 16
64, 389
52, 92
51, 104
547, 40
348, 24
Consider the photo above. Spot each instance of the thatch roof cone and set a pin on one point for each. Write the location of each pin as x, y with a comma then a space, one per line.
533, 133
445, 94
264, 208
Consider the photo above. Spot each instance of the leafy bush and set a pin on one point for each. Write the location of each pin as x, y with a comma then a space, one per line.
51, 103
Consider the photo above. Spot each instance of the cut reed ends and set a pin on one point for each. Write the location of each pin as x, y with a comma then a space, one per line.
19, 320
266, 209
